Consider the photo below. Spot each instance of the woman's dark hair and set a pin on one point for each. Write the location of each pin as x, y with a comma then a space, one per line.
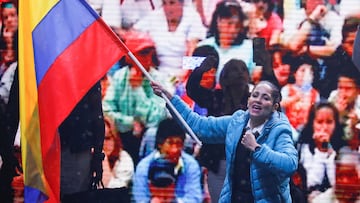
350, 25
270, 9
234, 81
296, 62
227, 9
168, 128
306, 135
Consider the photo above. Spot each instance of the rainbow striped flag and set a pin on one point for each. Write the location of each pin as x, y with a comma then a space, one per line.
64, 49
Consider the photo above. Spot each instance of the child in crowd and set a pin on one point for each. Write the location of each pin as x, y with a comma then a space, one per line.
168, 174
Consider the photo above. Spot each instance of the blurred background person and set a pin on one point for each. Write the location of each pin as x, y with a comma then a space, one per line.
201, 85
175, 28
265, 22
281, 64
82, 137
319, 142
347, 183
9, 101
118, 166
299, 96
129, 100
168, 174
227, 34
346, 99
235, 82
314, 30
181, 89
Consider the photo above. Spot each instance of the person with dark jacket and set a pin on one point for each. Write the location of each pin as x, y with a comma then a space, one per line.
82, 137
231, 96
9, 101
9, 121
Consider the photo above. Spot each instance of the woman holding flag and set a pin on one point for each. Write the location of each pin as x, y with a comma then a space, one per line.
260, 153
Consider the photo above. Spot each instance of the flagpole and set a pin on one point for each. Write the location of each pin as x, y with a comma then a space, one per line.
147, 75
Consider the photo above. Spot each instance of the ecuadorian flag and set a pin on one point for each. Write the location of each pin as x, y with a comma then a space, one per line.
64, 49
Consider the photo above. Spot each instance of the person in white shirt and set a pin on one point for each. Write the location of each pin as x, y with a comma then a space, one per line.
118, 166
176, 28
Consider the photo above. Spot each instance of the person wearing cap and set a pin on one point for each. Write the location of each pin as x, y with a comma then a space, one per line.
168, 174
129, 100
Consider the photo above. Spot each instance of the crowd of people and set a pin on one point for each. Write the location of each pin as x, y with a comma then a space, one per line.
271, 91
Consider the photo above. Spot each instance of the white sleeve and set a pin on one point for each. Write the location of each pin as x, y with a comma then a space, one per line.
6, 81
122, 171
197, 29
111, 12
337, 23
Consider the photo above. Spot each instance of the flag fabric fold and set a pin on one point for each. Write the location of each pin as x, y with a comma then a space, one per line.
64, 49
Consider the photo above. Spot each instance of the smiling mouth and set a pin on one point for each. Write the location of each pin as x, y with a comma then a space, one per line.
256, 107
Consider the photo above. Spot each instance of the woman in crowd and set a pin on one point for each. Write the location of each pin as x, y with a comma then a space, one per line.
281, 60
260, 153
227, 34
129, 100
118, 166
318, 144
232, 96
300, 95
264, 22
9, 100
176, 28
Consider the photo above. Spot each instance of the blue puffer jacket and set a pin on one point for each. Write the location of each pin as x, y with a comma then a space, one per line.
271, 166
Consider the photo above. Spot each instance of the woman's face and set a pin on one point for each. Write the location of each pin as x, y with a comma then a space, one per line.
324, 125
10, 18
304, 71
229, 29
173, 9
136, 77
281, 70
260, 103
145, 57
208, 79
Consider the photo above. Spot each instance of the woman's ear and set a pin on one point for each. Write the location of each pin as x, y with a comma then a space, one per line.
276, 106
